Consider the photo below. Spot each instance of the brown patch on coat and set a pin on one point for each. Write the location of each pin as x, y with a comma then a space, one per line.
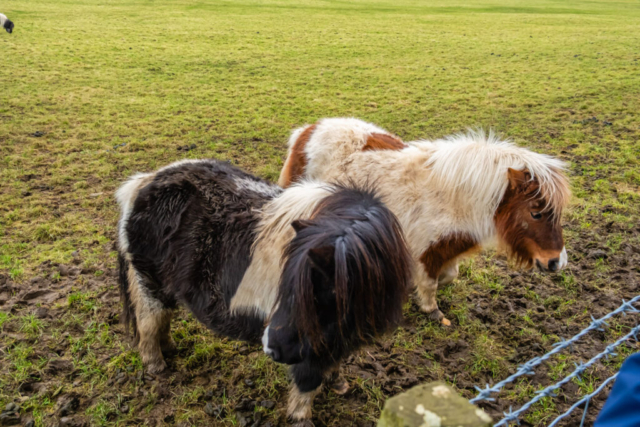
383, 141
528, 240
294, 166
446, 251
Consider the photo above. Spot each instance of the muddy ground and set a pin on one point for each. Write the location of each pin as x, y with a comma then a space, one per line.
98, 380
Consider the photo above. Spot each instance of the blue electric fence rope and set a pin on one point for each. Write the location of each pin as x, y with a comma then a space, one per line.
512, 416
586, 399
528, 368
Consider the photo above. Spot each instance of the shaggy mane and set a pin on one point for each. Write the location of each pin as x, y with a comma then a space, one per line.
372, 266
476, 163
278, 214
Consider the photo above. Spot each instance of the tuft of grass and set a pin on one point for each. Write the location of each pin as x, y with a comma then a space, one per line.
31, 326
486, 357
4, 318
19, 357
202, 353
102, 412
82, 301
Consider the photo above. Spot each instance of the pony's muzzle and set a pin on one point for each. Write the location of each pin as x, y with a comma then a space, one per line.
548, 266
271, 352
553, 264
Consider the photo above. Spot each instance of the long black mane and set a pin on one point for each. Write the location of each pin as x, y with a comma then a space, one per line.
361, 241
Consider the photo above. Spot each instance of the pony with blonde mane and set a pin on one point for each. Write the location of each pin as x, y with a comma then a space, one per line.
453, 196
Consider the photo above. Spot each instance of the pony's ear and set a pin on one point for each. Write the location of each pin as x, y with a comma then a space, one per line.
322, 258
300, 224
518, 178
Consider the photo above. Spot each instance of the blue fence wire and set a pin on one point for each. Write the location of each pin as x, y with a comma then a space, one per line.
586, 400
528, 368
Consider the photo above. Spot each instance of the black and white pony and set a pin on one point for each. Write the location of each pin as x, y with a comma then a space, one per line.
325, 267
6, 23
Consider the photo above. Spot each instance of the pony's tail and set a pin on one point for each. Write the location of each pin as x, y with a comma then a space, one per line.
128, 311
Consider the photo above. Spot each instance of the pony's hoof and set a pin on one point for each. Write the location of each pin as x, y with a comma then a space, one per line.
304, 423
435, 315
156, 368
340, 386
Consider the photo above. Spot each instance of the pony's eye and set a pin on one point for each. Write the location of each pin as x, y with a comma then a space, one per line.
536, 215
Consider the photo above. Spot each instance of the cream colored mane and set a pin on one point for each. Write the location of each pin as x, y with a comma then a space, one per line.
475, 165
257, 292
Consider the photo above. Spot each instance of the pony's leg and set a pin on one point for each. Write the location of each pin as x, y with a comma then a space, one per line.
300, 403
167, 345
448, 275
337, 382
153, 323
307, 382
426, 288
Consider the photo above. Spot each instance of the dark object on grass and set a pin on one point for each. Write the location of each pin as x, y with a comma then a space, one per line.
11, 415
6, 23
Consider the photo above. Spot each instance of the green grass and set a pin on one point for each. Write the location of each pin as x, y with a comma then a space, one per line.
117, 86
31, 326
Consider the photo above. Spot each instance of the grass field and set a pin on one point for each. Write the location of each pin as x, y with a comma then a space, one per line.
92, 91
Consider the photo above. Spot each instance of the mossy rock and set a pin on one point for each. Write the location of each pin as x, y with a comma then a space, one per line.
432, 405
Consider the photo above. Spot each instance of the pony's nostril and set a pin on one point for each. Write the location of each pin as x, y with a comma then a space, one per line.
554, 264
274, 354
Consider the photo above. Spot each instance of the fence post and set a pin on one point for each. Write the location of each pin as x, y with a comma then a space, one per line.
432, 405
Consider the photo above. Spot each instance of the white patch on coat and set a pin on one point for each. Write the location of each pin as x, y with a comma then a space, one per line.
564, 259
265, 342
335, 139
126, 196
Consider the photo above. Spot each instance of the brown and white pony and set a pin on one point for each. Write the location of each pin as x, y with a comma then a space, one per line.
452, 196
314, 271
